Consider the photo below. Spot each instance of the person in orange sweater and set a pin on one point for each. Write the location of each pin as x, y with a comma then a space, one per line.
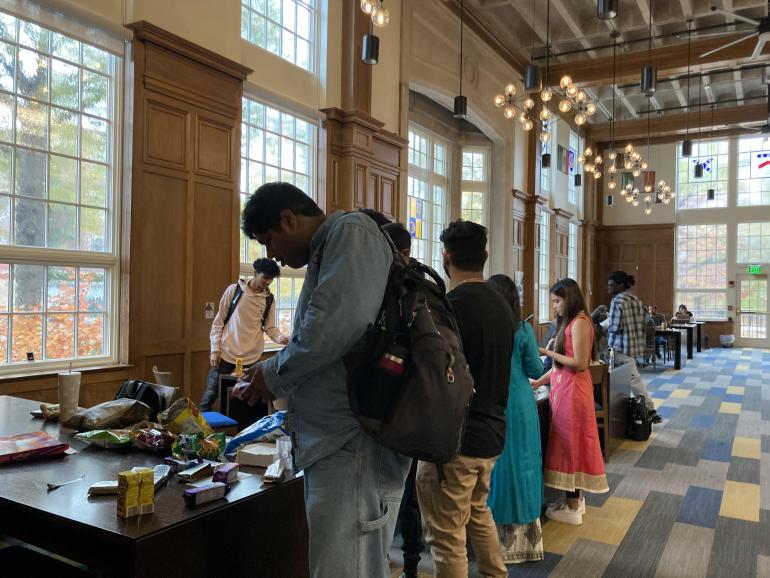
246, 313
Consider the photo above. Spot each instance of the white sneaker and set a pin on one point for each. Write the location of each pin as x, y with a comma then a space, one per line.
565, 515
561, 501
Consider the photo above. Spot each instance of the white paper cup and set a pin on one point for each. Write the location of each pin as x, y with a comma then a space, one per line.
69, 395
283, 445
163, 377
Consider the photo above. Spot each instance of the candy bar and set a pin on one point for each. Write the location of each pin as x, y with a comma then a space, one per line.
227, 474
204, 494
106, 488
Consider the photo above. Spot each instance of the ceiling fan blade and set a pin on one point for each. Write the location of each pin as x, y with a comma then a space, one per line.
727, 14
710, 35
759, 47
729, 44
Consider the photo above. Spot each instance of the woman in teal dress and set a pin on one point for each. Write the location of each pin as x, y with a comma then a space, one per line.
516, 486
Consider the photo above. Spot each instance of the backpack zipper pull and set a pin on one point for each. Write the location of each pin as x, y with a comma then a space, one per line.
450, 374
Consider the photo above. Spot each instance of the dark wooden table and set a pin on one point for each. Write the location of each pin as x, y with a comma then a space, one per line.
257, 530
677, 337
691, 329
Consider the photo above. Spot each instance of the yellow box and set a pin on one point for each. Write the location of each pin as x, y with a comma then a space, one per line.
146, 491
128, 494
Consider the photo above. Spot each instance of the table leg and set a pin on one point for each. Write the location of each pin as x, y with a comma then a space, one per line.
678, 351
689, 342
699, 338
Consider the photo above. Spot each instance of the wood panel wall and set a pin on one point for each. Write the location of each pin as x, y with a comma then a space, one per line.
644, 251
182, 229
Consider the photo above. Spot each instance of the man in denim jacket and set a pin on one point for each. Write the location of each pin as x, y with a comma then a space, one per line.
353, 484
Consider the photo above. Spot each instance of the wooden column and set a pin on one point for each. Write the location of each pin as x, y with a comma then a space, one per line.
182, 211
363, 167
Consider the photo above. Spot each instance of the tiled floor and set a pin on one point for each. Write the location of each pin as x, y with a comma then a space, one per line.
692, 501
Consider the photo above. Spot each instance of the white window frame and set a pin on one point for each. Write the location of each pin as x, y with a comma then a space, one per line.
544, 267
434, 223
287, 273
476, 187
573, 142
743, 174
107, 260
764, 237
681, 284
723, 188
249, 11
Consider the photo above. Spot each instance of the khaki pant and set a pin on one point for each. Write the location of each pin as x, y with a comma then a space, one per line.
455, 506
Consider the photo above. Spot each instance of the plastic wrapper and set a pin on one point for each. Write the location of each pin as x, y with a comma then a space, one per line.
267, 429
105, 438
183, 417
151, 437
118, 413
189, 446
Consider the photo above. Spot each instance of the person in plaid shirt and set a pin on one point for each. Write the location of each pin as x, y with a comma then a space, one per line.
625, 333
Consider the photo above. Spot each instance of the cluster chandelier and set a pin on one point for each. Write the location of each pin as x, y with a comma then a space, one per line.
380, 16
632, 161
508, 102
370, 51
575, 99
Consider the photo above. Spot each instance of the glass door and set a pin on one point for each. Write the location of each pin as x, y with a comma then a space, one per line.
752, 311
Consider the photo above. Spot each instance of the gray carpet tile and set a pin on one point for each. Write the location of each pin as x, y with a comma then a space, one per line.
744, 470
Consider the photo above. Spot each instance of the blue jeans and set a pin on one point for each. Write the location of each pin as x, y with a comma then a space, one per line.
211, 395
351, 503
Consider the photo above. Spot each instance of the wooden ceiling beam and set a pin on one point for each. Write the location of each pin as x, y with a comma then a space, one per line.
669, 60
676, 124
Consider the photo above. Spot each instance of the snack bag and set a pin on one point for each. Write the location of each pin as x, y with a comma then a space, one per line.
183, 417
266, 429
105, 438
191, 446
151, 437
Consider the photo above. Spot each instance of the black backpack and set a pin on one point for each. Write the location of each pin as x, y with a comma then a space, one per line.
237, 297
144, 392
639, 421
410, 386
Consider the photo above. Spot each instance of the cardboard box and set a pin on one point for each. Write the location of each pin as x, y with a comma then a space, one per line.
260, 454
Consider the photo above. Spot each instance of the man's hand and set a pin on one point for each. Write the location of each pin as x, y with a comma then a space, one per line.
214, 358
283, 340
252, 387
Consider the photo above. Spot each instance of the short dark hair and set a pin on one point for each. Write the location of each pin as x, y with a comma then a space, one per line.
376, 216
399, 235
267, 266
466, 243
263, 209
623, 278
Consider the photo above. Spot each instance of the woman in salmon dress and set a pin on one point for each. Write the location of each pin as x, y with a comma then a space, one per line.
573, 459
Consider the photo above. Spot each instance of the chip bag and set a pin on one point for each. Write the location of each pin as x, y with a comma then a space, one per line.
105, 438
151, 437
191, 446
183, 417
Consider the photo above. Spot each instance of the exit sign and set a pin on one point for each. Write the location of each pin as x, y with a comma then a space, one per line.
754, 269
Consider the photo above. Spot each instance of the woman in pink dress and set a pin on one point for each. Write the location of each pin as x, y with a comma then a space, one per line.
573, 458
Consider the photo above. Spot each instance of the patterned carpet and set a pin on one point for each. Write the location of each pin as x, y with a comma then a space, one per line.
693, 500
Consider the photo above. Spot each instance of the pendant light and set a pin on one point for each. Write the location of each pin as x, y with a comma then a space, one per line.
612, 169
461, 102
546, 94
687, 144
649, 73
533, 78
698, 165
607, 9
370, 53
710, 193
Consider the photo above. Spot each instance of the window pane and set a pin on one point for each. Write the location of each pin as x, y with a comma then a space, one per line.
28, 288
7, 66
64, 131
27, 337
90, 334
65, 48
92, 230
32, 73
29, 222
62, 226
60, 336
95, 88
91, 288
64, 176
93, 184
30, 173
94, 139
61, 288
31, 123
65, 84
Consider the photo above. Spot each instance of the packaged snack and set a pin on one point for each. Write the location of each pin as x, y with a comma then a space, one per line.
227, 474
146, 491
203, 494
184, 417
128, 494
106, 488
204, 470
118, 413
267, 429
191, 446
105, 438
149, 436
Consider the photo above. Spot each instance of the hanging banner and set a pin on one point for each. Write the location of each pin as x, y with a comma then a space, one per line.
760, 165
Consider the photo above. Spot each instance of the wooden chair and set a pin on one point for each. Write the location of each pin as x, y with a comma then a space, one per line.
650, 347
600, 377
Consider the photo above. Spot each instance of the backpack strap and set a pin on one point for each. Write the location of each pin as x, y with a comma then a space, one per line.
268, 304
234, 302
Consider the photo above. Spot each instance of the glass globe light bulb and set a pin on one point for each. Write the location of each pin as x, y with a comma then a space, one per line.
580, 119
666, 201
629, 198
580, 96
612, 170
627, 165
588, 167
667, 189
510, 90
644, 165
546, 115
629, 148
367, 6
611, 185
648, 210
380, 17
612, 155
509, 112
597, 173
661, 184
581, 159
636, 172
590, 109
571, 90
647, 198
647, 189
599, 160
546, 95
565, 105
545, 136
565, 81
588, 152
528, 125
635, 202
529, 104
499, 100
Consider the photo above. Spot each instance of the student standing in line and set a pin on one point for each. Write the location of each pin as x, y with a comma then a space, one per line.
453, 496
516, 486
573, 459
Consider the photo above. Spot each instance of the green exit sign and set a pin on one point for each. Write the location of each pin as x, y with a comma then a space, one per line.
754, 269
